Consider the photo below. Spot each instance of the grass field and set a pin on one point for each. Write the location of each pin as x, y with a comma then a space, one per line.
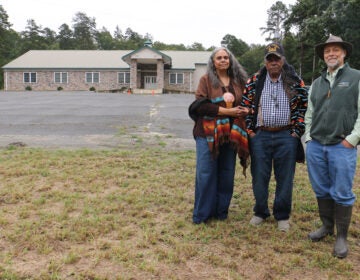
126, 214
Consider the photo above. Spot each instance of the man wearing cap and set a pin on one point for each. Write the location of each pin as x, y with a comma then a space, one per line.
277, 99
332, 134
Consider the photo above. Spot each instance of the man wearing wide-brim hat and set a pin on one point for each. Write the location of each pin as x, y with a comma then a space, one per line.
332, 134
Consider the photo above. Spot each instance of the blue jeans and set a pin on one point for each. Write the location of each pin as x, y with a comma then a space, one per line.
214, 182
278, 150
331, 170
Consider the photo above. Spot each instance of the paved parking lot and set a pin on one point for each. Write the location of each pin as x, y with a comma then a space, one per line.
95, 120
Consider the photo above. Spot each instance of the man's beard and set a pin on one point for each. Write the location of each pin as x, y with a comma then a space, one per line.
334, 65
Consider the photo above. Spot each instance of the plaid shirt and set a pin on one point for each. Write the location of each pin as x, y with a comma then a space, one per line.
297, 104
275, 107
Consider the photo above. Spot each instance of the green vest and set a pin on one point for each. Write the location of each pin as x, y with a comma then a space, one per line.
335, 109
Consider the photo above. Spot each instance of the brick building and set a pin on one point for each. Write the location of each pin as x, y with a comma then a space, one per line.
145, 70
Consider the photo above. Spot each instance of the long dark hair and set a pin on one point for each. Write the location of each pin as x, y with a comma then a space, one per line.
289, 77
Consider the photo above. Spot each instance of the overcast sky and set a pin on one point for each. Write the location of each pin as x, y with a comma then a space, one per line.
170, 22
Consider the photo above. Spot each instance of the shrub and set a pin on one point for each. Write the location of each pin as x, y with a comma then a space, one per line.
28, 88
92, 89
59, 88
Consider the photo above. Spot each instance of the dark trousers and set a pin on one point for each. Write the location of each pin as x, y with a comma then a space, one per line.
273, 150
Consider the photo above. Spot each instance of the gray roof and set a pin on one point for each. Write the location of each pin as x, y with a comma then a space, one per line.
127, 57
187, 59
97, 59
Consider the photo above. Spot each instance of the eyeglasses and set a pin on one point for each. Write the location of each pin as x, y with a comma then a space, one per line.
222, 57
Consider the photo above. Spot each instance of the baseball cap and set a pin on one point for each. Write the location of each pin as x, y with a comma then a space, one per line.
275, 49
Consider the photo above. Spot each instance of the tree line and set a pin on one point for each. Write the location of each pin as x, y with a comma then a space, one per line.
298, 27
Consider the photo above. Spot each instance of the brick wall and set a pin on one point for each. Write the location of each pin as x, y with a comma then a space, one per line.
76, 81
108, 81
187, 86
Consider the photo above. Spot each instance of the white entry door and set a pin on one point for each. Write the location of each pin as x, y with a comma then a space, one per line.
150, 82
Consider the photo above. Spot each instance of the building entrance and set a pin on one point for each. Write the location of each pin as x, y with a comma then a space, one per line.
150, 82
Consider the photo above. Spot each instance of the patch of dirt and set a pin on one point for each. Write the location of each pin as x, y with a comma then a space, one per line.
102, 141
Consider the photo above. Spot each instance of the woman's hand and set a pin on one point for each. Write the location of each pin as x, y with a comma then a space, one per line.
235, 112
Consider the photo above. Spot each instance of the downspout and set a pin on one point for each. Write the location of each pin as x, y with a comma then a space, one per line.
190, 82
5, 80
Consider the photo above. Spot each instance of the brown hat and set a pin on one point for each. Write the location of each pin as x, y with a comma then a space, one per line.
319, 49
274, 48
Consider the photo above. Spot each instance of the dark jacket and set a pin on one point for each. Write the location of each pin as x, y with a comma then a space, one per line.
294, 88
298, 96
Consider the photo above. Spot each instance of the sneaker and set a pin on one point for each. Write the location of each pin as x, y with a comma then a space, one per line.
283, 225
255, 220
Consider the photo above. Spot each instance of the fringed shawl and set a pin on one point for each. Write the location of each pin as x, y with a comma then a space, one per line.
222, 129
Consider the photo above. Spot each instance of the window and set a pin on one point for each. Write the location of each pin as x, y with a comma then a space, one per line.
172, 78
180, 78
124, 77
29, 77
176, 78
92, 77
61, 77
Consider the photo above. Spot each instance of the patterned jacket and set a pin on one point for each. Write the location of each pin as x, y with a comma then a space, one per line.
296, 92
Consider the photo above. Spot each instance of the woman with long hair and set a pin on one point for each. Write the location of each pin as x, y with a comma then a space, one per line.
220, 134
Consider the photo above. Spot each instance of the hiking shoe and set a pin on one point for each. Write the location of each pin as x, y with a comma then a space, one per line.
283, 225
255, 221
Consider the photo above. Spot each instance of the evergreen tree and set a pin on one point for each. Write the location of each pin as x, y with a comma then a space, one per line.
50, 38
277, 14
237, 46
253, 59
85, 32
9, 42
315, 21
196, 47
34, 37
65, 38
104, 40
